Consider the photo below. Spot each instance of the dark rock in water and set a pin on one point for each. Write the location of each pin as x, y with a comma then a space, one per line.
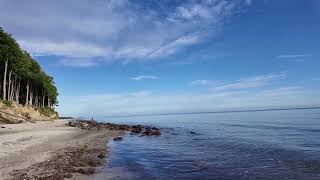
156, 133
201, 165
2, 127
150, 132
134, 130
68, 175
86, 171
147, 132
191, 132
117, 138
101, 156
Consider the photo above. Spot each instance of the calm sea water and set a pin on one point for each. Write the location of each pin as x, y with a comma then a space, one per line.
255, 145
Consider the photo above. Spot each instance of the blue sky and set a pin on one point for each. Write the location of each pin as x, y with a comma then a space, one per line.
115, 57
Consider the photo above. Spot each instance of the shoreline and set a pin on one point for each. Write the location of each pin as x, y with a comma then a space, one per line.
61, 149
51, 150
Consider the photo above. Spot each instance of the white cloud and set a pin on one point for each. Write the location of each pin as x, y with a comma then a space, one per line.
294, 56
67, 49
200, 82
192, 12
282, 91
138, 78
78, 62
248, 2
112, 29
251, 82
172, 47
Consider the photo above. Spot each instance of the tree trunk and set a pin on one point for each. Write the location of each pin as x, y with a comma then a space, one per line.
43, 97
31, 95
13, 87
36, 102
17, 92
27, 96
4, 89
9, 85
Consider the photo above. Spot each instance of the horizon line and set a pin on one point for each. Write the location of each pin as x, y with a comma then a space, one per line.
209, 112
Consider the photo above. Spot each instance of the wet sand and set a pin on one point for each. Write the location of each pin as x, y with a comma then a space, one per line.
52, 150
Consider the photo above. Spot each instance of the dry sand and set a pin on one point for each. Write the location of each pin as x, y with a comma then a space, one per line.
25, 148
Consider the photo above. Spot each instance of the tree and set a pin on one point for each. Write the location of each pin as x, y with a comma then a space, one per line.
23, 80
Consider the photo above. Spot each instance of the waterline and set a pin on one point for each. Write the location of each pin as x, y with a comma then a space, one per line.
210, 112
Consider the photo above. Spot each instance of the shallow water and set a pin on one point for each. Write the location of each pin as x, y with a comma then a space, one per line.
254, 145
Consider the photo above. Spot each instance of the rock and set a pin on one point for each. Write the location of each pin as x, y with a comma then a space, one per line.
93, 125
200, 165
149, 132
2, 127
101, 156
86, 171
136, 131
191, 132
68, 175
156, 133
72, 123
119, 138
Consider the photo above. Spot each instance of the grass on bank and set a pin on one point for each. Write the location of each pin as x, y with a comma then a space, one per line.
7, 103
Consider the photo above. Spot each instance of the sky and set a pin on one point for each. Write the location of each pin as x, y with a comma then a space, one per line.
123, 57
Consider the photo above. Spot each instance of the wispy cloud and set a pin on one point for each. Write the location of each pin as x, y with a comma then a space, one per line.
293, 56
138, 78
251, 82
200, 82
67, 49
113, 29
78, 62
282, 91
249, 2
316, 79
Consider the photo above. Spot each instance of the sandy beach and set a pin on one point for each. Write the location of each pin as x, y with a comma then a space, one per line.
48, 149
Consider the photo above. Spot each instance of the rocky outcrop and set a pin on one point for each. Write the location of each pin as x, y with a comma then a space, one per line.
134, 130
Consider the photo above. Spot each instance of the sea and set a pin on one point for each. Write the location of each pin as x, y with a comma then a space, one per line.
239, 145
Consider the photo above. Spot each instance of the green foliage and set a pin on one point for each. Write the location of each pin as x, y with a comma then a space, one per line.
25, 67
7, 103
47, 111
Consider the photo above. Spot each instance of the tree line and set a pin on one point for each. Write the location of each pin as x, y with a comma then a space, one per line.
21, 78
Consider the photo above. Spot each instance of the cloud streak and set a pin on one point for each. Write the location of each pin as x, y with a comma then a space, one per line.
200, 82
251, 82
293, 56
139, 78
113, 29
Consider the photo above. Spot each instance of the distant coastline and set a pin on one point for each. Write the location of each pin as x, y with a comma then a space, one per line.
214, 112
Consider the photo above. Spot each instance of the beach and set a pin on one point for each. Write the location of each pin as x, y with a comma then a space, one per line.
51, 150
